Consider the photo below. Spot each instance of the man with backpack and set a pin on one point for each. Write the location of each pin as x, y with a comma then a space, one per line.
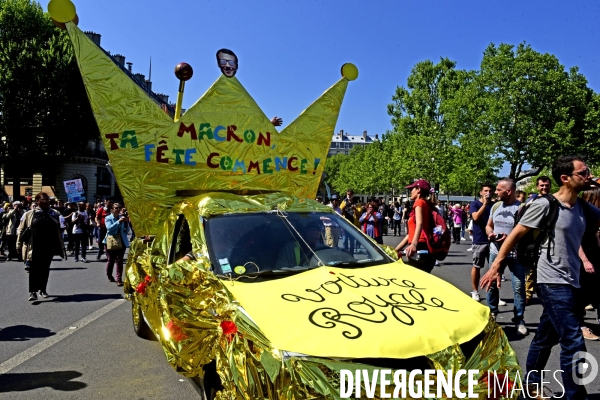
561, 222
499, 226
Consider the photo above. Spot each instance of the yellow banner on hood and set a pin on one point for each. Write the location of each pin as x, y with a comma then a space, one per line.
392, 311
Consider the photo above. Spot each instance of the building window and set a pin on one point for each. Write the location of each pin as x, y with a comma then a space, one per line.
346, 146
103, 182
334, 145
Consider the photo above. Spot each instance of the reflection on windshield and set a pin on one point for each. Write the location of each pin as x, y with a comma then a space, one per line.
250, 243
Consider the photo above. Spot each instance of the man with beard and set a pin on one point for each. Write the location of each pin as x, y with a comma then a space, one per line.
501, 222
558, 272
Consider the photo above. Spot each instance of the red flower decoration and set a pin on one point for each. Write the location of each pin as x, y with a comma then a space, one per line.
229, 329
332, 273
175, 332
141, 288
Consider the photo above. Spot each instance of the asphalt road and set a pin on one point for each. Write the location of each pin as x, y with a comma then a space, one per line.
93, 352
79, 343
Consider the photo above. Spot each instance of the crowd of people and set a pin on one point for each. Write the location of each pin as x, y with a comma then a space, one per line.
36, 230
549, 242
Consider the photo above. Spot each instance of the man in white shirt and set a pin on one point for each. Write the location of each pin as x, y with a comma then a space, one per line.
499, 226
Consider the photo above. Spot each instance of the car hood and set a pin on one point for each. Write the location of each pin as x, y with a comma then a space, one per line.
392, 310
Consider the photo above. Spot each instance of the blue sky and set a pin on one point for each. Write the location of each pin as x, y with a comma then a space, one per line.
290, 52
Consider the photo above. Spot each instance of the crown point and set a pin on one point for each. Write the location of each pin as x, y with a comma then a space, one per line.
62, 25
184, 71
62, 11
349, 71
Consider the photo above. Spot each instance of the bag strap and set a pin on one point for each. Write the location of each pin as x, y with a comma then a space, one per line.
495, 207
549, 223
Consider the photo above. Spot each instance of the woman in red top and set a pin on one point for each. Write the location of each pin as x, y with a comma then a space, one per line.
418, 225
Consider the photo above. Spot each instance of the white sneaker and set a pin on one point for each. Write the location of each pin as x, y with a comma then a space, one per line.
521, 328
501, 303
475, 295
470, 249
462, 238
588, 334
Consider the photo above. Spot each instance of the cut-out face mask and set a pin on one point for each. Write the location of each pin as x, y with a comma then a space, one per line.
228, 62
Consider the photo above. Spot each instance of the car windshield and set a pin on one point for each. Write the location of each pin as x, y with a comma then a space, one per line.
278, 242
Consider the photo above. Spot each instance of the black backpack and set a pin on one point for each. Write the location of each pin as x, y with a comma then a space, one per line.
528, 248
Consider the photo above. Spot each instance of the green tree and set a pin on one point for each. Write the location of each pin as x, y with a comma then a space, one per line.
44, 112
457, 128
528, 107
430, 140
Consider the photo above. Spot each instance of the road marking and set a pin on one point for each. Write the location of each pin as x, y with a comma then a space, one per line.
52, 340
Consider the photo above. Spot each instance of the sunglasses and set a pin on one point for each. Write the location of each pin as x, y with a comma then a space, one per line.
583, 173
116, 208
233, 63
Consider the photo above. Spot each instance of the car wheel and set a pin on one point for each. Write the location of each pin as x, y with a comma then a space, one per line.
208, 386
140, 327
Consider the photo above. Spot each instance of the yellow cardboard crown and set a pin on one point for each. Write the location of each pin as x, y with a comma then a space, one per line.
224, 142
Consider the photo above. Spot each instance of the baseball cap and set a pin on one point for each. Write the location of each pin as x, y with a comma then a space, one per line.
421, 184
16, 203
335, 197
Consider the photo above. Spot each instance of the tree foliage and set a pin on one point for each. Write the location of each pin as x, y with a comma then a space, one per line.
44, 111
532, 110
456, 127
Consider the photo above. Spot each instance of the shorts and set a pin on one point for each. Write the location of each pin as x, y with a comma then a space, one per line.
481, 254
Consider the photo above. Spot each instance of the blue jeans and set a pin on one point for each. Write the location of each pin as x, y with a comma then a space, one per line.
559, 323
518, 285
349, 243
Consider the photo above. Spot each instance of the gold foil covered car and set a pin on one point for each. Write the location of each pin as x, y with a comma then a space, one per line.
246, 297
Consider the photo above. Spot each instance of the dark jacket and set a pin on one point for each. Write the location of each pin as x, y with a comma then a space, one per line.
25, 245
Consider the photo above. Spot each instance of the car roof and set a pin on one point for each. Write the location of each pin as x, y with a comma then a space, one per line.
218, 203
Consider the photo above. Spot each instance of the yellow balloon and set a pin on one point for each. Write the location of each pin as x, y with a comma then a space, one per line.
62, 10
349, 71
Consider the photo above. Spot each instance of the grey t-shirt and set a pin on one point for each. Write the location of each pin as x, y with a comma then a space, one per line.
562, 265
503, 217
